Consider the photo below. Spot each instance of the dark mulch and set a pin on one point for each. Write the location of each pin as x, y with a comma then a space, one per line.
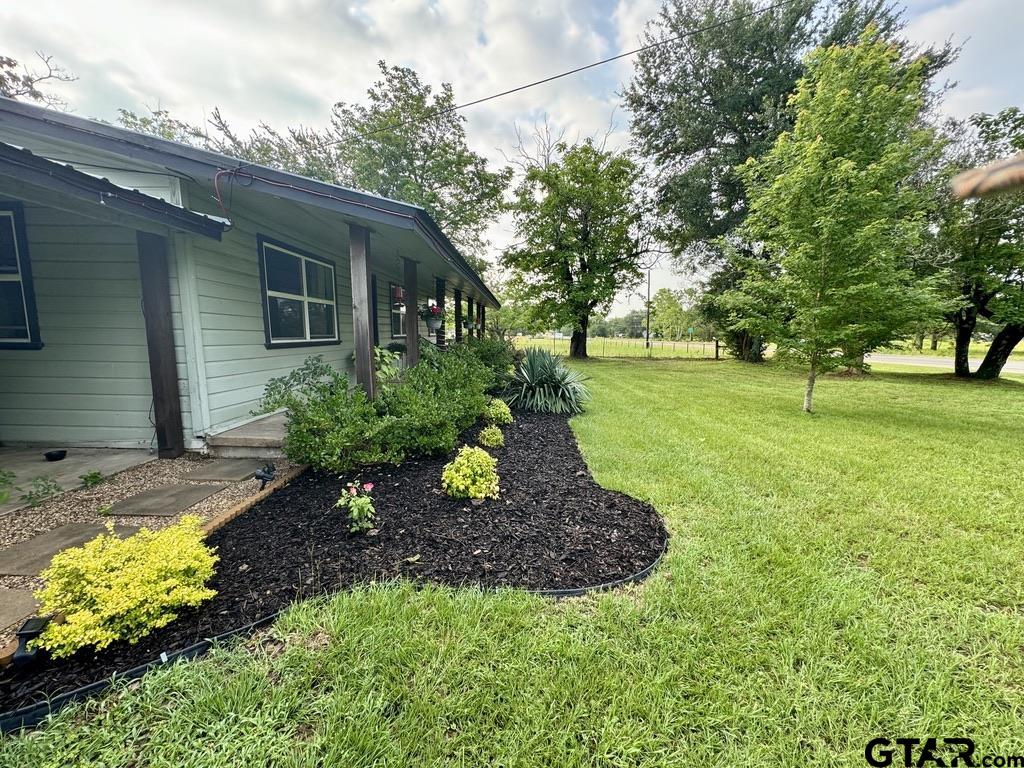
553, 527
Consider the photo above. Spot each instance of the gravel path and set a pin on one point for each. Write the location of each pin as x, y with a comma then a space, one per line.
84, 505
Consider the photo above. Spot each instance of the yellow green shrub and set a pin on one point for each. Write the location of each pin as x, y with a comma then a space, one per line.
471, 475
113, 589
491, 437
497, 412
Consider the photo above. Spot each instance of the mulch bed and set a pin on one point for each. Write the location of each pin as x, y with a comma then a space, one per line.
552, 528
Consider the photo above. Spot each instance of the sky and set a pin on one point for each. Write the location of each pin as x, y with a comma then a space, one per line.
286, 62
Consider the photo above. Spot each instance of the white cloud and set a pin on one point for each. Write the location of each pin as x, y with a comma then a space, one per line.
287, 61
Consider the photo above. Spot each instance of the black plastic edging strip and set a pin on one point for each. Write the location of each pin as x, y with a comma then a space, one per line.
33, 714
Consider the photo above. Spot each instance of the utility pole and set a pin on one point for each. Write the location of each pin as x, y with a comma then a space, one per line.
649, 267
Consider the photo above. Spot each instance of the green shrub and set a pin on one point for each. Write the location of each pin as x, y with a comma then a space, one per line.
6, 485
336, 429
498, 354
471, 475
113, 589
92, 478
491, 437
358, 503
498, 412
542, 382
39, 490
310, 380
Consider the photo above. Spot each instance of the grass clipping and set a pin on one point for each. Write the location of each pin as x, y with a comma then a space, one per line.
113, 589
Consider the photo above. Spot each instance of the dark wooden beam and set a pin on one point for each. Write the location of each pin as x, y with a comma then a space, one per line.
458, 315
412, 314
439, 291
469, 315
163, 365
479, 320
359, 257
374, 314
483, 319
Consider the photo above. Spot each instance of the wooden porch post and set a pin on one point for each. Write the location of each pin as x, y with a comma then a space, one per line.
359, 256
470, 317
479, 320
483, 319
412, 315
458, 315
163, 365
439, 289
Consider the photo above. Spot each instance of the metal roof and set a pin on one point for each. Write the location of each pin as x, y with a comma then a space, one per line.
201, 163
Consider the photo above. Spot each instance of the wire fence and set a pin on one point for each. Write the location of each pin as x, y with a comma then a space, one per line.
606, 347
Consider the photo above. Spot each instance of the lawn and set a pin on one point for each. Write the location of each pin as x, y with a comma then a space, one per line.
605, 347
831, 579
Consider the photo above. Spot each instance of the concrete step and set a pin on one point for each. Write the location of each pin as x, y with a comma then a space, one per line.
259, 439
245, 451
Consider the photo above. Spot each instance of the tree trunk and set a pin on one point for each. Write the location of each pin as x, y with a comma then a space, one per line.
999, 352
935, 341
578, 341
919, 341
855, 367
964, 322
811, 376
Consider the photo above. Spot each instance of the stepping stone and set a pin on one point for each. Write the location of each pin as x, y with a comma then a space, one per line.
16, 605
164, 500
225, 470
28, 558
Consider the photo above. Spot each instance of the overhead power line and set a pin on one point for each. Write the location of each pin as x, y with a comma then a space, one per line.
567, 73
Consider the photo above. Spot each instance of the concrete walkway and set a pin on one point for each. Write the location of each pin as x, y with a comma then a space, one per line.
1012, 366
28, 464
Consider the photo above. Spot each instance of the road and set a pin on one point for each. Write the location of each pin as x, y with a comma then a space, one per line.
1013, 366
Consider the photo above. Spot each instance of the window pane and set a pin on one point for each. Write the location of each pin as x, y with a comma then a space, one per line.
286, 321
284, 271
321, 321
319, 281
12, 311
8, 250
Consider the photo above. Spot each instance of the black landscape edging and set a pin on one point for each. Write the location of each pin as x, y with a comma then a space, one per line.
34, 714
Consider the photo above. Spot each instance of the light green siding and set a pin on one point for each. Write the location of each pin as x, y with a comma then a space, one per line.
89, 384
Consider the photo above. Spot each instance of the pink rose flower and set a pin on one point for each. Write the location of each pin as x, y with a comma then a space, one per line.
367, 487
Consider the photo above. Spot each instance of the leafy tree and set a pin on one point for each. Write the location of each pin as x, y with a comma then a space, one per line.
579, 233
832, 204
404, 142
671, 316
980, 243
18, 82
714, 95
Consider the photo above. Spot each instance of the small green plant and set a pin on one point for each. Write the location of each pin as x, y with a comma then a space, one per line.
106, 510
471, 475
113, 589
498, 412
356, 499
40, 489
6, 485
542, 382
491, 437
92, 479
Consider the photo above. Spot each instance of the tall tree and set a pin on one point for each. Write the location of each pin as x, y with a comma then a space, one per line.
980, 243
579, 233
714, 95
403, 141
18, 82
833, 206
671, 316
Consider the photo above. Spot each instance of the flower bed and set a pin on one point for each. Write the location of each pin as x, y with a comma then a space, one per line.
551, 527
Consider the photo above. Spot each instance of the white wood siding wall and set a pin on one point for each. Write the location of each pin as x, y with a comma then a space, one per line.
89, 384
229, 301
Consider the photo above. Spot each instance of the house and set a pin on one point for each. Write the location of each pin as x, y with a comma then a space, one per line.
149, 290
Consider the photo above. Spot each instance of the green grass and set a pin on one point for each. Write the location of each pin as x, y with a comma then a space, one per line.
947, 348
831, 578
602, 347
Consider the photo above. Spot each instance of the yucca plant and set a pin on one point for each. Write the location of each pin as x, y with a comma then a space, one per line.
542, 382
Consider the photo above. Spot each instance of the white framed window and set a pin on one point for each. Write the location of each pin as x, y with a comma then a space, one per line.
19, 325
299, 296
396, 295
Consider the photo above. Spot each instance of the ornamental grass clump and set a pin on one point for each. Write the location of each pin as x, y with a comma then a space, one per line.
542, 382
112, 589
491, 437
497, 412
471, 475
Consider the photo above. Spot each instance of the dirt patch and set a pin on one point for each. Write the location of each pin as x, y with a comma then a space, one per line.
553, 527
